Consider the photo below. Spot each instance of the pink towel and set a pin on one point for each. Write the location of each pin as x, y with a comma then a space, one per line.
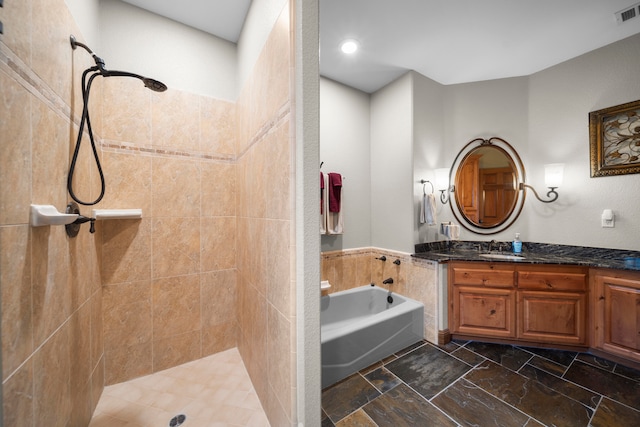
335, 185
321, 193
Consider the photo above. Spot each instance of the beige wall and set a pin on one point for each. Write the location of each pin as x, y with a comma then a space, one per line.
52, 347
413, 278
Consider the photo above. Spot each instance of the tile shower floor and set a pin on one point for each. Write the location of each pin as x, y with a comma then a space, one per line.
214, 391
476, 384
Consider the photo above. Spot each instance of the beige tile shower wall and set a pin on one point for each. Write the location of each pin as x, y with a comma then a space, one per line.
414, 278
266, 294
346, 269
169, 279
52, 341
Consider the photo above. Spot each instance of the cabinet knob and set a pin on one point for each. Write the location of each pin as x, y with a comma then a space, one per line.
601, 297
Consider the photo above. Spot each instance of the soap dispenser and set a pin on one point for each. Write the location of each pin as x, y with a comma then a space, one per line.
517, 244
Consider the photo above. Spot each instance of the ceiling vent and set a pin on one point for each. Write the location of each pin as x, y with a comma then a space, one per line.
628, 13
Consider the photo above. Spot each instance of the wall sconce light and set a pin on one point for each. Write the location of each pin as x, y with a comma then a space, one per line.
442, 184
553, 175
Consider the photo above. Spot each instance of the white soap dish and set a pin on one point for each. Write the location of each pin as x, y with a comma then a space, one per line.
324, 285
48, 215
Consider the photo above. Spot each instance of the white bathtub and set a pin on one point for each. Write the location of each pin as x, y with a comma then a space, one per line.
360, 327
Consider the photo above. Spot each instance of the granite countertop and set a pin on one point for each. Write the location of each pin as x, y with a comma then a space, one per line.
532, 253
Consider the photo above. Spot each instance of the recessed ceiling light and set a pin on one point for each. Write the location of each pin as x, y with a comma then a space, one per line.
349, 46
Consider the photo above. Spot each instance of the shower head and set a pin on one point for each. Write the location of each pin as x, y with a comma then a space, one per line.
88, 76
152, 84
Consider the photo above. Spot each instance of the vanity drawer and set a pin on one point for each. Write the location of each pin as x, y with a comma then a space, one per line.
553, 278
475, 274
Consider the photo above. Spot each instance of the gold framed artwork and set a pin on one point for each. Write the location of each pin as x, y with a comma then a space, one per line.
614, 140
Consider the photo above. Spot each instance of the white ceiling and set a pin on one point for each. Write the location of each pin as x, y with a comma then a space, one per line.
454, 41
222, 18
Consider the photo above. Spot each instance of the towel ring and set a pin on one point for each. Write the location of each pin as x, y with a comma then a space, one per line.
424, 183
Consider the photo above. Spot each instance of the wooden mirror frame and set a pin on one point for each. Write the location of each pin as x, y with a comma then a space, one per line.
454, 179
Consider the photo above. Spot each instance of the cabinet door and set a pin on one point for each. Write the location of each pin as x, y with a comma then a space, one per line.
498, 275
484, 311
618, 316
552, 317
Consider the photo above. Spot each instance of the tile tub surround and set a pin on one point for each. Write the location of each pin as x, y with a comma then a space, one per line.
473, 383
534, 253
414, 278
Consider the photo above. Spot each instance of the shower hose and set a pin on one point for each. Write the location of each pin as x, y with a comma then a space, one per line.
86, 88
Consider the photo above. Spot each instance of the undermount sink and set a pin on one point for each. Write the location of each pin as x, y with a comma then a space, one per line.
502, 256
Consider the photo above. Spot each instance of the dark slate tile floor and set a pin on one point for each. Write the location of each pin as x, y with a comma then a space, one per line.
479, 384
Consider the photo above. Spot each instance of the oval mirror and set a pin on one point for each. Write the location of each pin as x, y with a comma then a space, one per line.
486, 176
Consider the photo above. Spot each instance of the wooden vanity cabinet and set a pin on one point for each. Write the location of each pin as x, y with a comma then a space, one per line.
524, 303
482, 299
552, 304
616, 312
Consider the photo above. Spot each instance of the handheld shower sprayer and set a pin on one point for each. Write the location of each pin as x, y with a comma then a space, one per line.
92, 72
152, 84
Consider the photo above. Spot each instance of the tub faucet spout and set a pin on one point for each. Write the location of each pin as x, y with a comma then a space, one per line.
388, 281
